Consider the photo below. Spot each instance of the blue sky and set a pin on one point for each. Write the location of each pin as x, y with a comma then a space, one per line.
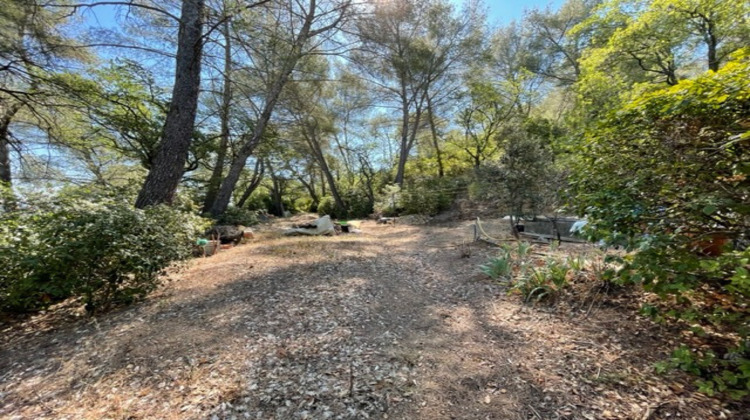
504, 11
500, 11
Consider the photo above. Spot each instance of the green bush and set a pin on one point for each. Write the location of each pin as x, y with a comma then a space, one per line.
104, 252
238, 217
540, 283
358, 205
327, 206
428, 196
665, 172
388, 201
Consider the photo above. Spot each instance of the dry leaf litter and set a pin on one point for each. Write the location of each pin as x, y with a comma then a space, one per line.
393, 323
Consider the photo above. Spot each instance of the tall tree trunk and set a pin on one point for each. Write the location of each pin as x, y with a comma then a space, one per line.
169, 164
312, 141
711, 42
276, 193
226, 98
404, 148
5, 169
254, 183
409, 134
238, 163
6, 116
368, 174
513, 227
310, 187
435, 141
227, 186
296, 53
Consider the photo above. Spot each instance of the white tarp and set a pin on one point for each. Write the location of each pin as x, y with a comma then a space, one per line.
322, 226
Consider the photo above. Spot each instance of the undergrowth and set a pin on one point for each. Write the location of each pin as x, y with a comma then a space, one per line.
535, 280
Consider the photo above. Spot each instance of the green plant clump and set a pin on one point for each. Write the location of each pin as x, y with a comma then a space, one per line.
327, 206
238, 217
537, 283
104, 252
428, 196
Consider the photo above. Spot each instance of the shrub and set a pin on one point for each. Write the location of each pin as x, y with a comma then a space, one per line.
498, 268
544, 282
327, 206
388, 201
238, 216
104, 252
667, 171
428, 196
358, 204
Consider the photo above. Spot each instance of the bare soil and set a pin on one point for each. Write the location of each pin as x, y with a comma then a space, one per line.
393, 323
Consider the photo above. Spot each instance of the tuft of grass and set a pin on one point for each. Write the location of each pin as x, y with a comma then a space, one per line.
498, 268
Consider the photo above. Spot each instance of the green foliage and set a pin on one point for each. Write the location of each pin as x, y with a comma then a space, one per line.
533, 280
328, 206
498, 268
667, 175
102, 250
388, 202
729, 374
358, 204
428, 196
238, 217
576, 263
258, 200
542, 282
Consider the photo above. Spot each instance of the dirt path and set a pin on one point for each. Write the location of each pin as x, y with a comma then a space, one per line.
392, 323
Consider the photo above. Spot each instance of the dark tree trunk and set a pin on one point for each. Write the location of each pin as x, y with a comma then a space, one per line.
254, 182
513, 228
226, 98
711, 42
6, 117
368, 174
238, 164
5, 170
332, 184
435, 141
5, 175
310, 187
276, 192
409, 136
404, 148
169, 163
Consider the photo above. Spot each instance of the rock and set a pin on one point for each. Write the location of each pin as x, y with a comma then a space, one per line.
226, 234
322, 226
